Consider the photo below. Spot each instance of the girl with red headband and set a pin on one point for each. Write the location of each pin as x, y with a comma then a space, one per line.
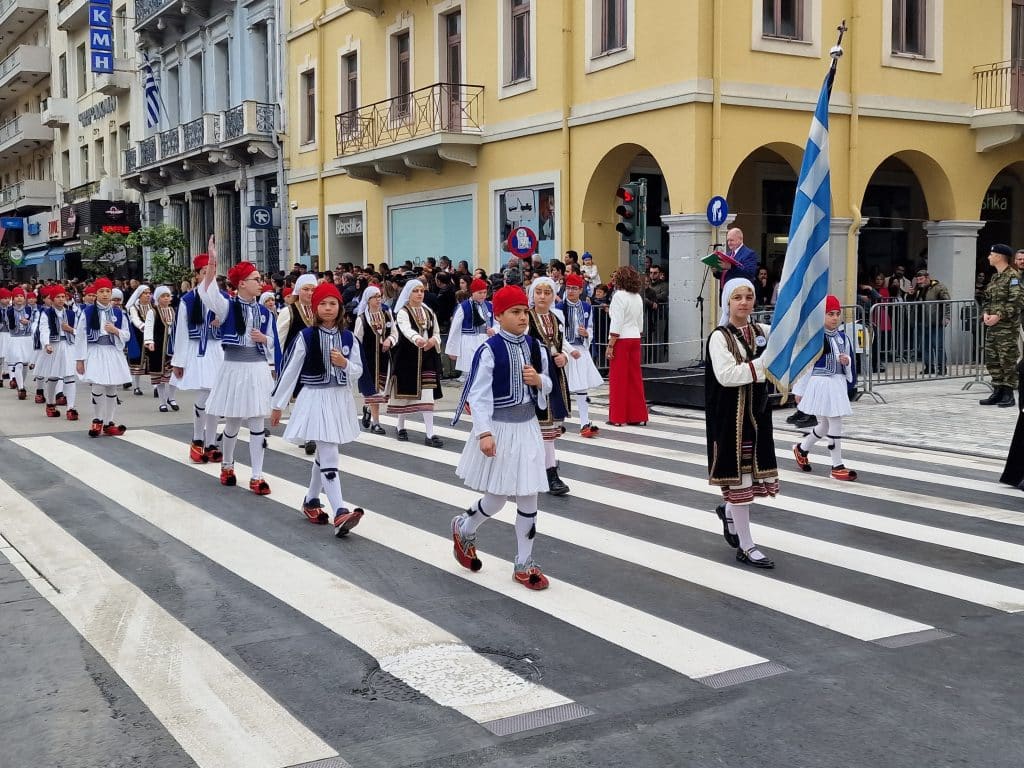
57, 364
325, 359
823, 392
100, 338
241, 392
196, 363
472, 324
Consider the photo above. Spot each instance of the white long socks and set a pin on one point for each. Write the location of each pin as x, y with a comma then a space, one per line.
256, 449
549, 454
488, 505
204, 425
330, 475
137, 382
50, 391
71, 391
526, 518
583, 407
831, 427
428, 423
740, 514
231, 427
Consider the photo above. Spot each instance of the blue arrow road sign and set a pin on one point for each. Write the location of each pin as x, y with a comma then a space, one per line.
261, 217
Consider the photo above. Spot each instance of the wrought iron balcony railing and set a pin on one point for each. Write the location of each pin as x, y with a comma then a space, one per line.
146, 8
1000, 86
131, 160
437, 108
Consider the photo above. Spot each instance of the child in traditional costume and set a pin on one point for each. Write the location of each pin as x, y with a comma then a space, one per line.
326, 360
373, 329
5, 335
138, 307
505, 455
57, 363
19, 347
158, 340
823, 392
580, 371
472, 324
100, 338
741, 450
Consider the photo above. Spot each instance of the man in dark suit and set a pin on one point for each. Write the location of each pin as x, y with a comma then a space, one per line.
746, 259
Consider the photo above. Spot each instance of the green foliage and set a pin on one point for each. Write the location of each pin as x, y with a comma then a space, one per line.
167, 246
99, 252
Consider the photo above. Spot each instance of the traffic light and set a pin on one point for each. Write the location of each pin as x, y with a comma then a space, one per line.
629, 226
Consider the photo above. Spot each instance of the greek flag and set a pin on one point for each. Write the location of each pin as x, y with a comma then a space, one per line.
151, 92
795, 341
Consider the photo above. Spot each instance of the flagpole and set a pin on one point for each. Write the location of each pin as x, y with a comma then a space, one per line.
159, 94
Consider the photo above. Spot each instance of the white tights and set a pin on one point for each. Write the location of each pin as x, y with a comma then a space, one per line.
831, 427
526, 518
256, 450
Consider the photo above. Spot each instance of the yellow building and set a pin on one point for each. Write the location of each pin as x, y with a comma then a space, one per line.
426, 128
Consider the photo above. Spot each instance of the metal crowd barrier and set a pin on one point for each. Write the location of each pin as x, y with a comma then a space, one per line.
654, 342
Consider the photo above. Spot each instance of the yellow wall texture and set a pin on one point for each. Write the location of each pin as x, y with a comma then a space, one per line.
696, 97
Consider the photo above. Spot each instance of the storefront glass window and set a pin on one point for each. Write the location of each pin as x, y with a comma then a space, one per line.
532, 207
437, 228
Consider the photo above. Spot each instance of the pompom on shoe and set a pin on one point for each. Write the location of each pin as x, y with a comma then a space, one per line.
96, 428
345, 521
465, 546
213, 454
530, 576
61, 399
40, 398
227, 476
314, 512
802, 458
259, 487
588, 430
196, 454
52, 412
114, 430
71, 415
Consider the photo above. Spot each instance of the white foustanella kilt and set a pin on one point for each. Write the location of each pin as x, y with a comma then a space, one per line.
242, 390
823, 395
323, 414
581, 374
4, 337
19, 350
200, 372
106, 366
469, 343
516, 470
59, 364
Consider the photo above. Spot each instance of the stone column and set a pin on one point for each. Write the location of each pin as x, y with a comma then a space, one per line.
222, 225
952, 258
842, 249
690, 236
196, 225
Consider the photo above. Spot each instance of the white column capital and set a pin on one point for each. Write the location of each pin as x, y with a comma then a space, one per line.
953, 228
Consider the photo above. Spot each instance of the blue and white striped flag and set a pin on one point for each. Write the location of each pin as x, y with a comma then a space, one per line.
797, 331
151, 95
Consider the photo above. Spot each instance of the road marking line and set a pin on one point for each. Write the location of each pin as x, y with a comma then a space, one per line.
685, 651
218, 715
451, 674
947, 583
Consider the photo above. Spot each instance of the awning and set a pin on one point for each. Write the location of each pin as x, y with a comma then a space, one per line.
56, 254
33, 256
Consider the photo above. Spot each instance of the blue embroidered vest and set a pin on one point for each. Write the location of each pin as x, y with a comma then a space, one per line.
575, 315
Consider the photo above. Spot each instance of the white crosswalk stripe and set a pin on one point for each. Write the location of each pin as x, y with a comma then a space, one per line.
881, 550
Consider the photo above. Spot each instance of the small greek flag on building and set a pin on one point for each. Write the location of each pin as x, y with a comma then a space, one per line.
795, 341
151, 93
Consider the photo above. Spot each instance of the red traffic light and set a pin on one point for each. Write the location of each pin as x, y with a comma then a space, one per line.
625, 193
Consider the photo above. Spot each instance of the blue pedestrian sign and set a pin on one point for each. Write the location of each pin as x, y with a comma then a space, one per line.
718, 210
261, 217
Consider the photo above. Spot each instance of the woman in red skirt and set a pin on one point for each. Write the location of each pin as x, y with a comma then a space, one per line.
627, 404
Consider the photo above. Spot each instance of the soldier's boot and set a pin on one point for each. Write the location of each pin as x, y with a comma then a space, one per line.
997, 391
1006, 400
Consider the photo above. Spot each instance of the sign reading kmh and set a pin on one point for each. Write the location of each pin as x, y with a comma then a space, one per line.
101, 36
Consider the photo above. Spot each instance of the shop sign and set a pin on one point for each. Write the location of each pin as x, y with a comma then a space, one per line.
348, 225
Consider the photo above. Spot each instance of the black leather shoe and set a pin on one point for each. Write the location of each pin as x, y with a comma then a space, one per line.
730, 538
992, 399
403, 435
377, 429
555, 485
366, 417
434, 442
745, 558
1006, 399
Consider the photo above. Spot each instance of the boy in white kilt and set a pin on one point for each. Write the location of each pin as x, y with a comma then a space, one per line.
580, 372
19, 345
472, 324
196, 363
57, 362
241, 392
100, 336
326, 360
504, 456
34, 300
823, 392
5, 333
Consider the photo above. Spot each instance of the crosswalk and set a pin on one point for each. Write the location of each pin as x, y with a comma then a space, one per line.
315, 641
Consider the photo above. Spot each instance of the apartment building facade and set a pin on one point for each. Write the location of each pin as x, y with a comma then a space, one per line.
431, 128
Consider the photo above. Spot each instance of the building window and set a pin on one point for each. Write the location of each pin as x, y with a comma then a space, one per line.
401, 77
309, 243
519, 41
101, 160
1017, 34
222, 75
783, 19
65, 168
121, 32
307, 95
613, 25
83, 155
350, 89
62, 74
909, 27
80, 61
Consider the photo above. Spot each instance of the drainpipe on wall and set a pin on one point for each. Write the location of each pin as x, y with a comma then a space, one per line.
717, 44
568, 57
282, 182
852, 236
321, 68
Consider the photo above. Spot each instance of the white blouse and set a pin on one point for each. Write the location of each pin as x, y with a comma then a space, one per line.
627, 315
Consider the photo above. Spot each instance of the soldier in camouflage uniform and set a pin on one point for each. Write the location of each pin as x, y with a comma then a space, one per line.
1001, 315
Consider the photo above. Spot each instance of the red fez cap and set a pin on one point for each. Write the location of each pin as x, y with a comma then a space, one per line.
832, 304
200, 261
509, 296
4, 293
102, 283
325, 291
286, 292
268, 287
574, 280
240, 271
478, 285
31, 296
19, 291
58, 290
89, 290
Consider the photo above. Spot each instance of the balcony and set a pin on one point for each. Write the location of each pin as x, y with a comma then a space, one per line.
72, 14
998, 117
30, 194
57, 112
230, 138
21, 71
118, 81
22, 135
158, 16
372, 7
15, 17
416, 131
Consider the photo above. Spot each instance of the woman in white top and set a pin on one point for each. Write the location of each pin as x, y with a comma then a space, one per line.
626, 401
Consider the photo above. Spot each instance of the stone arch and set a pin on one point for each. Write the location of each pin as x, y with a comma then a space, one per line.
1001, 207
